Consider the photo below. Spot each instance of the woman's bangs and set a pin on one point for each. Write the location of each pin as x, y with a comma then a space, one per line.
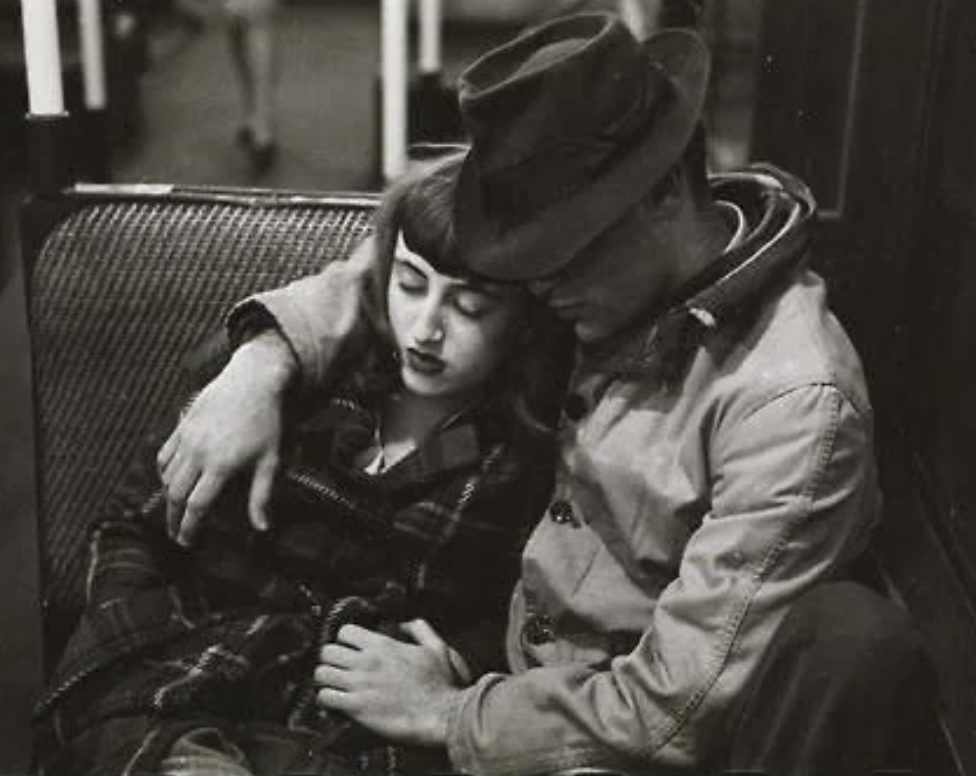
427, 231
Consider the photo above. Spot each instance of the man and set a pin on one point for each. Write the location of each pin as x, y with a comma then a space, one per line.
715, 466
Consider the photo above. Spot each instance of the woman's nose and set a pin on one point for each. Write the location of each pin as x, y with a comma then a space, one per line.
429, 325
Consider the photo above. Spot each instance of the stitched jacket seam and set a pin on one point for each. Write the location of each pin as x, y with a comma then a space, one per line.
680, 717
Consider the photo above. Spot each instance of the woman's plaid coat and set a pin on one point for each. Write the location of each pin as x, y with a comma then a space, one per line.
227, 632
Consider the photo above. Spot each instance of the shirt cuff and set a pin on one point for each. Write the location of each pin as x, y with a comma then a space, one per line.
246, 320
456, 751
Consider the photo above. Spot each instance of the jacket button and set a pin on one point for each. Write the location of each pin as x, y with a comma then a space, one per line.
575, 407
538, 629
562, 512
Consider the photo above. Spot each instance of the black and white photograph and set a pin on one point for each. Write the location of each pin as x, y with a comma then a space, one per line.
487, 388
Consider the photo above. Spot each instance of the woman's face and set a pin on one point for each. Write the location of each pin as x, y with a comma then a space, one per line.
450, 333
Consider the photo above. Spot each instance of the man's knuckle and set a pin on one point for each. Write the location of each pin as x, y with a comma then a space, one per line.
348, 631
329, 652
337, 700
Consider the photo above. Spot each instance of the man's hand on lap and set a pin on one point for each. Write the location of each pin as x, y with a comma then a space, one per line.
400, 690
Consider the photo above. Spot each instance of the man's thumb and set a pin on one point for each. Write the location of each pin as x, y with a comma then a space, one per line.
421, 632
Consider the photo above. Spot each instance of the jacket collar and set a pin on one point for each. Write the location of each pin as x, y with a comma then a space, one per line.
347, 424
458, 443
777, 208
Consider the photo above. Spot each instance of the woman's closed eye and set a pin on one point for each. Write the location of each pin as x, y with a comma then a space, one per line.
471, 300
408, 278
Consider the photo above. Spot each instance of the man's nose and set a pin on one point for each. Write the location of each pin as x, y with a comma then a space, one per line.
543, 286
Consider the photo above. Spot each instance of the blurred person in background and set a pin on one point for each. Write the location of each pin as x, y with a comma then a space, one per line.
251, 26
251, 30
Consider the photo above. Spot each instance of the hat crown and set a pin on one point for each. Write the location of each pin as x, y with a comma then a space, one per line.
555, 118
571, 85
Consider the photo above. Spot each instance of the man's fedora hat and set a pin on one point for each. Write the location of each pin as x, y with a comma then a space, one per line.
570, 125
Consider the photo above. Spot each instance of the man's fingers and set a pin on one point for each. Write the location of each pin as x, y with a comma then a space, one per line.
174, 516
168, 450
179, 479
338, 655
334, 678
422, 633
170, 468
358, 637
335, 699
198, 503
262, 485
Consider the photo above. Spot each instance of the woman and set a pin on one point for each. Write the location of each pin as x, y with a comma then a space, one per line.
407, 492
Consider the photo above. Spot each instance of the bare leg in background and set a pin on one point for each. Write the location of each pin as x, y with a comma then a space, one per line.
252, 33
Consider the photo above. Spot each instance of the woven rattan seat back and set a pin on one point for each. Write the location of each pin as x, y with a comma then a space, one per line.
121, 288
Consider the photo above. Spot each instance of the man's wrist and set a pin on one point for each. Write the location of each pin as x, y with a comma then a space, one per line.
438, 721
270, 360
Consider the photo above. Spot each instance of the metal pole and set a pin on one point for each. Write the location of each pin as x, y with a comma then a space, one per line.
430, 36
393, 85
42, 56
94, 124
47, 121
92, 35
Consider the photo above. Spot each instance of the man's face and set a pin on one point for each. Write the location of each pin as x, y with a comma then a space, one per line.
616, 278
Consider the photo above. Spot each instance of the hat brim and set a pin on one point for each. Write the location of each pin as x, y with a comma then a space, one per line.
548, 240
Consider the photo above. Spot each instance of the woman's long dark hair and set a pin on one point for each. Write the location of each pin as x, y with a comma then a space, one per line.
526, 391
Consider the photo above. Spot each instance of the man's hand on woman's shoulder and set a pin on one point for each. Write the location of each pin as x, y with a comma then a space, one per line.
233, 424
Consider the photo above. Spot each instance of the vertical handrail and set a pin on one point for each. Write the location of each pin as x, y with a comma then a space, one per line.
430, 57
42, 56
47, 121
94, 121
92, 36
393, 57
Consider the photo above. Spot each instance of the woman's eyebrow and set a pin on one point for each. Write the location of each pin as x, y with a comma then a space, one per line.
407, 262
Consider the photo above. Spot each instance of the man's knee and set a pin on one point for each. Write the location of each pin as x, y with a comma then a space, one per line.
845, 684
855, 628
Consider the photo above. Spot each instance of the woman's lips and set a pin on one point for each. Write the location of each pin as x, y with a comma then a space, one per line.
423, 363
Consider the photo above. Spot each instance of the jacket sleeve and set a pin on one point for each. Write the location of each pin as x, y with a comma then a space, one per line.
320, 316
793, 497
